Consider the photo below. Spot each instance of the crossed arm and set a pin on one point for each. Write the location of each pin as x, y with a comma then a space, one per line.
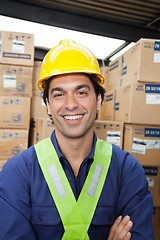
120, 229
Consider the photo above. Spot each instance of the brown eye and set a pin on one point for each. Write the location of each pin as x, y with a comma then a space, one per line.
58, 95
82, 93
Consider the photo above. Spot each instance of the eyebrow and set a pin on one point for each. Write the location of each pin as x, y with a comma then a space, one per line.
59, 89
56, 89
83, 86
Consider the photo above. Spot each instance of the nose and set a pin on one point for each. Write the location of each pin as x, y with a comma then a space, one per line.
71, 102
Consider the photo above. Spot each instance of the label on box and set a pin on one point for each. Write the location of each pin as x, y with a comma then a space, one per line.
15, 150
156, 57
16, 117
152, 132
157, 46
4, 135
116, 106
6, 101
49, 123
104, 126
152, 88
138, 146
152, 144
151, 171
20, 87
114, 137
124, 71
97, 125
108, 98
152, 99
150, 182
113, 66
9, 81
18, 46
16, 55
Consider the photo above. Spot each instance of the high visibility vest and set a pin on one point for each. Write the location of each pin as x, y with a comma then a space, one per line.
77, 215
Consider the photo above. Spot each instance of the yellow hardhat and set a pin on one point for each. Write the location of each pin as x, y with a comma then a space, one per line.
69, 57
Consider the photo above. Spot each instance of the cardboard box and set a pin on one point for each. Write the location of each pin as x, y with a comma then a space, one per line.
16, 80
12, 142
104, 71
156, 223
15, 112
143, 142
41, 128
17, 48
153, 177
138, 103
38, 108
110, 131
36, 75
114, 75
140, 63
2, 162
107, 110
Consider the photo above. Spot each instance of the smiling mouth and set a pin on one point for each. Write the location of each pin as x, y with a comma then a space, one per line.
73, 117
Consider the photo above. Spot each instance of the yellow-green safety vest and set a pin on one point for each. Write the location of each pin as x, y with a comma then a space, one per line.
77, 215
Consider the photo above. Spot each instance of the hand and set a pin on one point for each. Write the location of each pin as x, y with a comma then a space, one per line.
120, 229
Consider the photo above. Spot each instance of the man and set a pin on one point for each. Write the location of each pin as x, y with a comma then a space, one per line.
73, 185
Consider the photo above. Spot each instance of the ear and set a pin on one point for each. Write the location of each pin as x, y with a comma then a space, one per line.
99, 100
48, 107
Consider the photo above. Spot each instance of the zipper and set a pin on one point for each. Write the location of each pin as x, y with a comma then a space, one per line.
76, 185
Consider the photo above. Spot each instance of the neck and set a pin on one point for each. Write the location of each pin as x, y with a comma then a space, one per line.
75, 149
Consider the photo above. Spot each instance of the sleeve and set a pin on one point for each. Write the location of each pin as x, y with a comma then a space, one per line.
135, 199
13, 225
15, 207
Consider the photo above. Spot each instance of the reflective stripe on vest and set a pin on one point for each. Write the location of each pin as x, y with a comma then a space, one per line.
77, 215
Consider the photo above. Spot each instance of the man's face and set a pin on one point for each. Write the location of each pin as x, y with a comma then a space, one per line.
73, 104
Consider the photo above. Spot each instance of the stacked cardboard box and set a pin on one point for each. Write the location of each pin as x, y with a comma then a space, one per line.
143, 141
110, 131
41, 126
16, 69
38, 108
138, 64
17, 48
102, 114
16, 80
138, 103
134, 78
107, 110
12, 142
133, 97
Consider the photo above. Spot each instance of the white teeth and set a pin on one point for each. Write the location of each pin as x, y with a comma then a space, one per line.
73, 117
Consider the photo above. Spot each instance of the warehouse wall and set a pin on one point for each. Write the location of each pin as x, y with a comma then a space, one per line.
133, 98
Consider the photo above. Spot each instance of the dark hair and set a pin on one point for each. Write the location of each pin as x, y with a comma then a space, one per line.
98, 89
46, 90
